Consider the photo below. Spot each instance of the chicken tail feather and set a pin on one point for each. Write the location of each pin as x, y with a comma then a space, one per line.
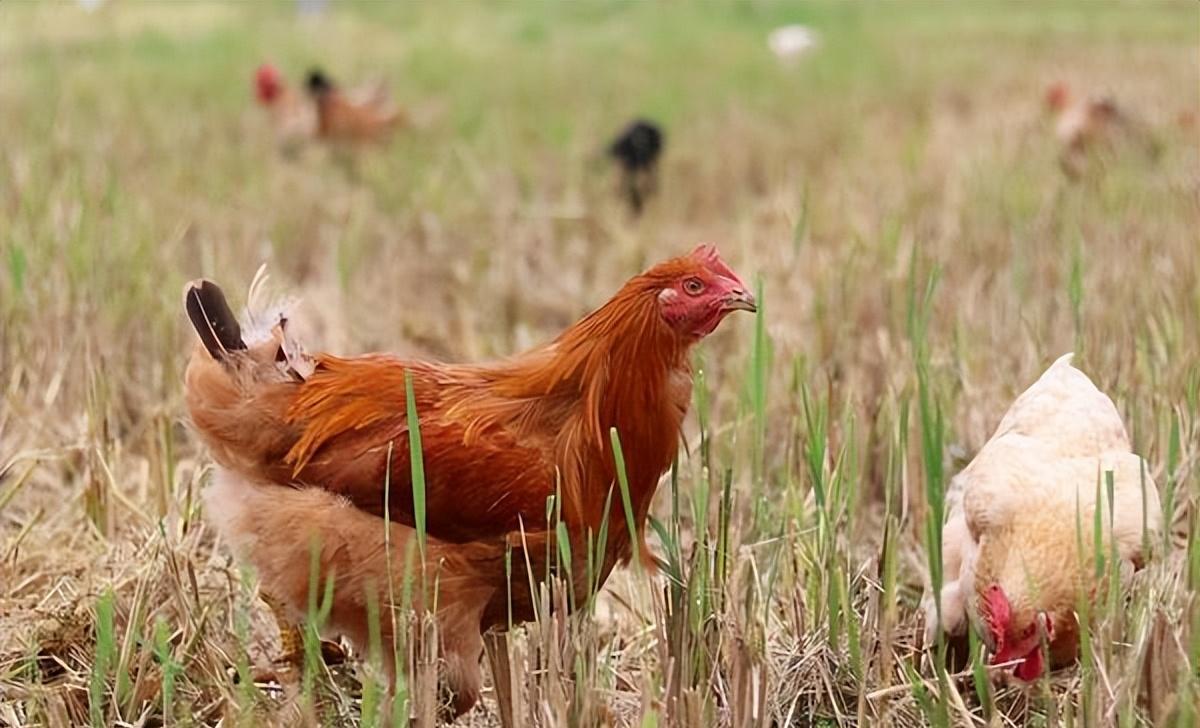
240, 382
214, 321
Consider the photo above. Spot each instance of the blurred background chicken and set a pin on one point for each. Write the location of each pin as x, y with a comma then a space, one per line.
1091, 127
363, 114
636, 150
293, 115
1018, 545
323, 110
790, 42
307, 446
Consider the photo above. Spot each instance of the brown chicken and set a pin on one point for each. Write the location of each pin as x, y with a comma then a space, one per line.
1018, 547
1089, 126
307, 446
365, 115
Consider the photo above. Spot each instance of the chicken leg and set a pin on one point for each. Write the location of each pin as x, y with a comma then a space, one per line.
291, 644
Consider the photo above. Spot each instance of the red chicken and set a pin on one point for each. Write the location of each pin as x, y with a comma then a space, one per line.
306, 446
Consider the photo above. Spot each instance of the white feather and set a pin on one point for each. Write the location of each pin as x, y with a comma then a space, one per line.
265, 319
265, 309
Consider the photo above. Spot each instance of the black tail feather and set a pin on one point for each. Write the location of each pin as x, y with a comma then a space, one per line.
318, 83
212, 318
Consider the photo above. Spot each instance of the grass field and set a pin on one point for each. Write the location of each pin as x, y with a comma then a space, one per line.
896, 194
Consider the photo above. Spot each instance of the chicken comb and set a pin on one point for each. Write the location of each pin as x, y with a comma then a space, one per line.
706, 254
266, 73
267, 82
997, 611
1057, 94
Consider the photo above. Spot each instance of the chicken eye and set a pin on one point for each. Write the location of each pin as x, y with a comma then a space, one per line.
693, 286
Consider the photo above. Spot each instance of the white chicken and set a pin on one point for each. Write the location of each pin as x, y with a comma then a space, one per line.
789, 42
1018, 544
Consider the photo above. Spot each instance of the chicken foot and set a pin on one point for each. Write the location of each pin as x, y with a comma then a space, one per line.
291, 645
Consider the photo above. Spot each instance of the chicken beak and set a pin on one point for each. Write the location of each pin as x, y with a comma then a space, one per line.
739, 299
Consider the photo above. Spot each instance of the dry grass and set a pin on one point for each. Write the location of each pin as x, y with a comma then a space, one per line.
897, 192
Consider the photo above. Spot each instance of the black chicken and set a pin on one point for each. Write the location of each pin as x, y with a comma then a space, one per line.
637, 149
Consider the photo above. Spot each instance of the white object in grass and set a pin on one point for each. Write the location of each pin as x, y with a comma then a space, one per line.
789, 42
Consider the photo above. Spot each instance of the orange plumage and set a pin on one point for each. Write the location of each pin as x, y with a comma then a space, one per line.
325, 110
363, 116
324, 435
